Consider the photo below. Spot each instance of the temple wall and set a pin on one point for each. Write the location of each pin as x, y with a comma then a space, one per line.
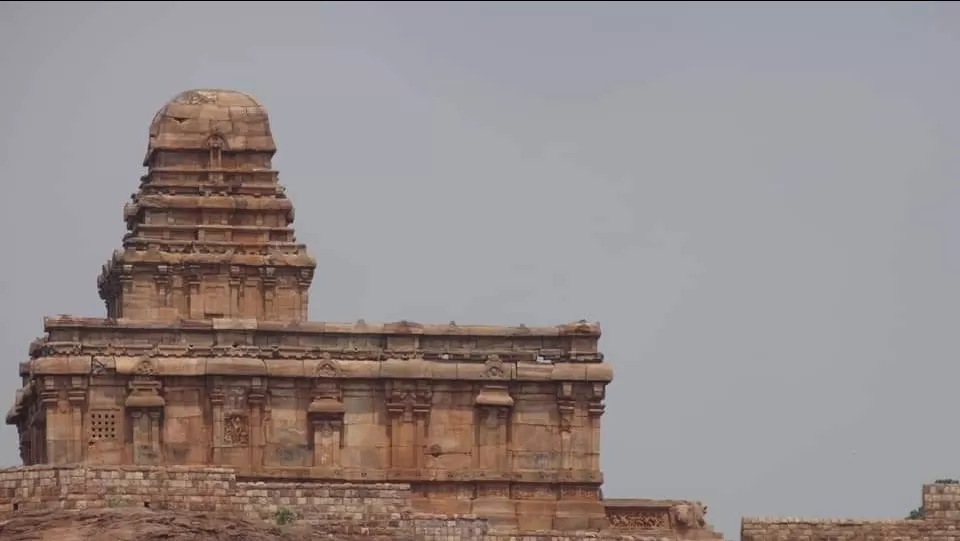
347, 510
529, 465
494, 421
200, 421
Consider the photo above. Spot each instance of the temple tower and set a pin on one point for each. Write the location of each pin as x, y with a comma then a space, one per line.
209, 231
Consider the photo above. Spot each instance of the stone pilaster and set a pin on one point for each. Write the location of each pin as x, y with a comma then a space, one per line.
566, 408
77, 398
164, 283
235, 283
408, 407
192, 279
268, 288
304, 279
595, 409
216, 397
256, 398
50, 426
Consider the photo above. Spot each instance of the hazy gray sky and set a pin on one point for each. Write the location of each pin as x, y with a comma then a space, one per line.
757, 201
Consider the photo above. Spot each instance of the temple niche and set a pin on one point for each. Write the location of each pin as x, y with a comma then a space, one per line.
206, 356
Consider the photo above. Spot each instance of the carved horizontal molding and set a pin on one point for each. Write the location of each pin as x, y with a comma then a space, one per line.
646, 514
198, 203
535, 478
579, 328
56, 349
179, 169
80, 364
212, 227
132, 255
199, 186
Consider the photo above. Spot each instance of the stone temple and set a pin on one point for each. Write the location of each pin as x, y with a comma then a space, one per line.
206, 388
206, 358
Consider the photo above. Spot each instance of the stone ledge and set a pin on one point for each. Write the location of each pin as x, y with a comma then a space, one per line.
579, 328
361, 369
824, 521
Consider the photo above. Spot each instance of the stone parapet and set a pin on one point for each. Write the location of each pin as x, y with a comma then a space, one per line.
363, 350
805, 529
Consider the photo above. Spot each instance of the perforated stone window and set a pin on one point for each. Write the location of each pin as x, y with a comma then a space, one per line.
103, 425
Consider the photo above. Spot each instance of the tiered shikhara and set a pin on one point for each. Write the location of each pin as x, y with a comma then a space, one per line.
206, 356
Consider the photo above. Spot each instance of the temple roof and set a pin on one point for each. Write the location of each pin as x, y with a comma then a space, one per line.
195, 119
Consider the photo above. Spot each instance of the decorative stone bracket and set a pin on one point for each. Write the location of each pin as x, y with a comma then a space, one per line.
145, 406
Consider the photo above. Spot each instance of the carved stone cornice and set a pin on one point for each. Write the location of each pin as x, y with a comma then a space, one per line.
47, 348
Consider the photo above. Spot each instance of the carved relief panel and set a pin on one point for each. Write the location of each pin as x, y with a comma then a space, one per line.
236, 418
231, 423
639, 519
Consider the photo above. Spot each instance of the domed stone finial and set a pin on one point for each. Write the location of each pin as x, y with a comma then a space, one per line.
210, 230
199, 119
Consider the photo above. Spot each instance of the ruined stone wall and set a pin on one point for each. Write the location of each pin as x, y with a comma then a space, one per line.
362, 511
941, 501
369, 510
800, 529
941, 520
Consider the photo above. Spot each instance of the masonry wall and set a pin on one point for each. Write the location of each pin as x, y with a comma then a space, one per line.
941, 501
359, 511
941, 520
784, 529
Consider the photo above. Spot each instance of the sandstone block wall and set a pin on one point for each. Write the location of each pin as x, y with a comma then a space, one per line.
801, 529
359, 511
941, 501
371, 511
